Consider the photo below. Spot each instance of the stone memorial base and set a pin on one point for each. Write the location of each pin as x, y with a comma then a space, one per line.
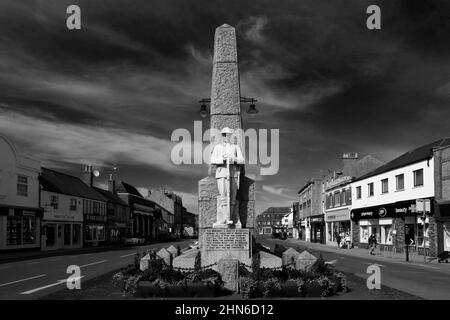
218, 243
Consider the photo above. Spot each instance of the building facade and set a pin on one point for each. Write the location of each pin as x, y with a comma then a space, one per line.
118, 222
311, 211
62, 225
338, 195
271, 220
384, 202
145, 217
20, 211
171, 206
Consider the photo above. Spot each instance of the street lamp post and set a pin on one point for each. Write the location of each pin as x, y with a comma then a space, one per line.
250, 110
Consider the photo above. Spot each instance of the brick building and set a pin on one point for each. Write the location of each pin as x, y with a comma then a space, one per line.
270, 220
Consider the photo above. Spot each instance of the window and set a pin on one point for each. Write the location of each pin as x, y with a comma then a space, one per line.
337, 199
384, 186
364, 234
54, 202
343, 197
370, 189
418, 178
358, 192
21, 230
73, 204
400, 182
22, 186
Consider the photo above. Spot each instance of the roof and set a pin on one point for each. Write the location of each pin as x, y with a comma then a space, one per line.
123, 187
280, 210
111, 197
410, 157
307, 184
54, 181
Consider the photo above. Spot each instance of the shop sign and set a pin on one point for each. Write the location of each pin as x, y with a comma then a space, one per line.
318, 219
395, 210
94, 218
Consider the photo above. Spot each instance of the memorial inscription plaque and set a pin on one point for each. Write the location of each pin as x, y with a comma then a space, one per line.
227, 239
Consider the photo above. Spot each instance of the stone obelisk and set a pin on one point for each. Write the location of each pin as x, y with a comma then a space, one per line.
225, 112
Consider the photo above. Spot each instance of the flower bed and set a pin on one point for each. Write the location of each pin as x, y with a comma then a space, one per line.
320, 281
160, 280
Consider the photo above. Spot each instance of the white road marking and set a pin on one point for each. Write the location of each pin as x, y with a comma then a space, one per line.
90, 264
127, 255
48, 286
21, 280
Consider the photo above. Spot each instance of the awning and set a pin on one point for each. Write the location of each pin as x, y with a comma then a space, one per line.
144, 213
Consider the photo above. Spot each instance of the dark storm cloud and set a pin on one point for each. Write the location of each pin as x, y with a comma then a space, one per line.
116, 89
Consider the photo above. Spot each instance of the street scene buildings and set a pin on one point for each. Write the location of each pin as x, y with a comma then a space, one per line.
288, 151
44, 209
403, 203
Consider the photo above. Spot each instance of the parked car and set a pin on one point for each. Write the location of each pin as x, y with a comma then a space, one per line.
194, 245
134, 241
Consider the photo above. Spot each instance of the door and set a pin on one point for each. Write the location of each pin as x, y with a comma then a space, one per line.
409, 234
50, 235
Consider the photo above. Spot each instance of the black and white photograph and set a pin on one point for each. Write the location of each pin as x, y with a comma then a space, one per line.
225, 157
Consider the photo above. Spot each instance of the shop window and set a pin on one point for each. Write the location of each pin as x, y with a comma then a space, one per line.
446, 231
73, 204
21, 230
88, 233
22, 186
67, 234
385, 186
364, 234
386, 234
400, 182
418, 178
370, 189
358, 192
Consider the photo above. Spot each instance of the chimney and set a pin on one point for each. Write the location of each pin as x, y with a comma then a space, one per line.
88, 176
112, 182
349, 163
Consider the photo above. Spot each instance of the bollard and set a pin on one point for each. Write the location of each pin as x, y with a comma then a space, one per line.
407, 252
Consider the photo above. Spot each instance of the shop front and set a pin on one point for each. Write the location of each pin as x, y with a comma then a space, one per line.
442, 217
20, 228
394, 226
338, 226
62, 231
317, 229
94, 230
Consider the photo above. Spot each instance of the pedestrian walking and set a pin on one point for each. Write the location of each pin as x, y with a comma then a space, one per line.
338, 239
347, 240
372, 243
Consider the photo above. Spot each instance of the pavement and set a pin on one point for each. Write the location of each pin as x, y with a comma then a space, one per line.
425, 280
39, 276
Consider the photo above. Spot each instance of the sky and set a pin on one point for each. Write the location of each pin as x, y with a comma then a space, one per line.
113, 92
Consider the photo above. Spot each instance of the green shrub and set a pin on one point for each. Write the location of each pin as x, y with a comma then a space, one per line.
249, 288
271, 287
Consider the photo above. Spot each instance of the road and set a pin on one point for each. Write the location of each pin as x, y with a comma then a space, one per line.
425, 281
35, 278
